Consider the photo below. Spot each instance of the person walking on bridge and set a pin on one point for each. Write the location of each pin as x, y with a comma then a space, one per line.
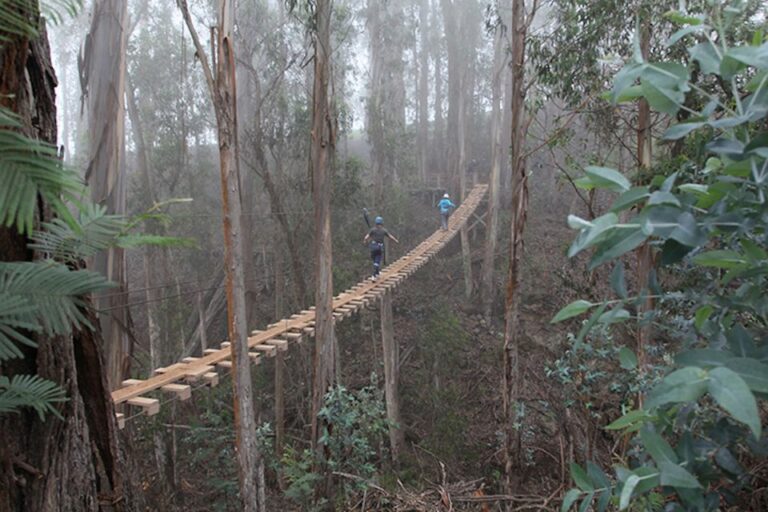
446, 207
375, 240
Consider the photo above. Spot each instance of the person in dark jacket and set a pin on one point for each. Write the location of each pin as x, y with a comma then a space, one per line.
375, 240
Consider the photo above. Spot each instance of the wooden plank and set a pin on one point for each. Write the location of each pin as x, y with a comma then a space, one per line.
226, 364
120, 417
150, 406
167, 369
211, 378
182, 391
255, 357
131, 382
282, 345
194, 373
210, 351
225, 344
267, 349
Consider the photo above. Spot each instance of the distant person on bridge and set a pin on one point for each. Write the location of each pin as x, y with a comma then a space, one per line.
375, 239
446, 207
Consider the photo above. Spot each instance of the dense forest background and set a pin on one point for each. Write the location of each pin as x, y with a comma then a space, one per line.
624, 145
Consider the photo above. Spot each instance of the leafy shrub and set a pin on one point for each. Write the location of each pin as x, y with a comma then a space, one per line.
701, 424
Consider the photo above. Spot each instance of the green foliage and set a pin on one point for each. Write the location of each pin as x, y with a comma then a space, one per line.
709, 223
354, 425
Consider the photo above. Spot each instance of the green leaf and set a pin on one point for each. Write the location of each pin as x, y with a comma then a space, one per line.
732, 394
575, 222
611, 179
720, 259
614, 316
627, 490
755, 56
618, 282
627, 359
630, 420
630, 198
703, 357
694, 188
593, 234
580, 478
575, 308
702, 315
683, 385
754, 373
677, 476
616, 244
657, 447
570, 498
678, 131
30, 391
629, 94
682, 19
625, 78
707, 56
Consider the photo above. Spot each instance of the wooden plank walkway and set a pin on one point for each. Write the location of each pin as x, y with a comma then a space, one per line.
175, 379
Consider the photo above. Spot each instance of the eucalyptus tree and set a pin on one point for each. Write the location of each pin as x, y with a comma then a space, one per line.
103, 69
221, 85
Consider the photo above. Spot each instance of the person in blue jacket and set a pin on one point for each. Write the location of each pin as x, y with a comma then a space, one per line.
446, 207
376, 237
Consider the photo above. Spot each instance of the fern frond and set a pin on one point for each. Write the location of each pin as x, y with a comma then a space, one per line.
30, 391
41, 297
15, 17
55, 10
65, 241
29, 168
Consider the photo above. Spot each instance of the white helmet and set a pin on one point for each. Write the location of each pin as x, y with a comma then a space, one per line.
446, 196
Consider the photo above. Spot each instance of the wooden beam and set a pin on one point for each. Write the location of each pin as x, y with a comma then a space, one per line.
120, 420
211, 378
150, 406
182, 391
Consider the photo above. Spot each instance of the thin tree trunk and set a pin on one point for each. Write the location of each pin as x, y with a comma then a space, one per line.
423, 90
391, 356
488, 287
323, 142
512, 376
104, 69
223, 93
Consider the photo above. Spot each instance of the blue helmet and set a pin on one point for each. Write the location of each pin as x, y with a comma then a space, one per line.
379, 220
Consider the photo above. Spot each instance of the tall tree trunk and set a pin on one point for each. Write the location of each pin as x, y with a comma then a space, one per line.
104, 69
44, 461
488, 287
223, 93
512, 376
644, 253
323, 142
423, 141
391, 356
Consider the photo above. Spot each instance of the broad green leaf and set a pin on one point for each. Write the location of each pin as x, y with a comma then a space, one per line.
694, 188
687, 231
707, 56
570, 498
724, 146
575, 222
611, 179
627, 359
732, 394
586, 502
682, 19
691, 29
677, 476
657, 446
625, 78
575, 308
703, 357
617, 243
755, 56
630, 198
598, 477
740, 341
590, 323
631, 419
627, 490
728, 462
720, 259
702, 315
580, 478
754, 373
614, 316
660, 197
678, 131
631, 93
593, 234
683, 385
618, 282
662, 99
